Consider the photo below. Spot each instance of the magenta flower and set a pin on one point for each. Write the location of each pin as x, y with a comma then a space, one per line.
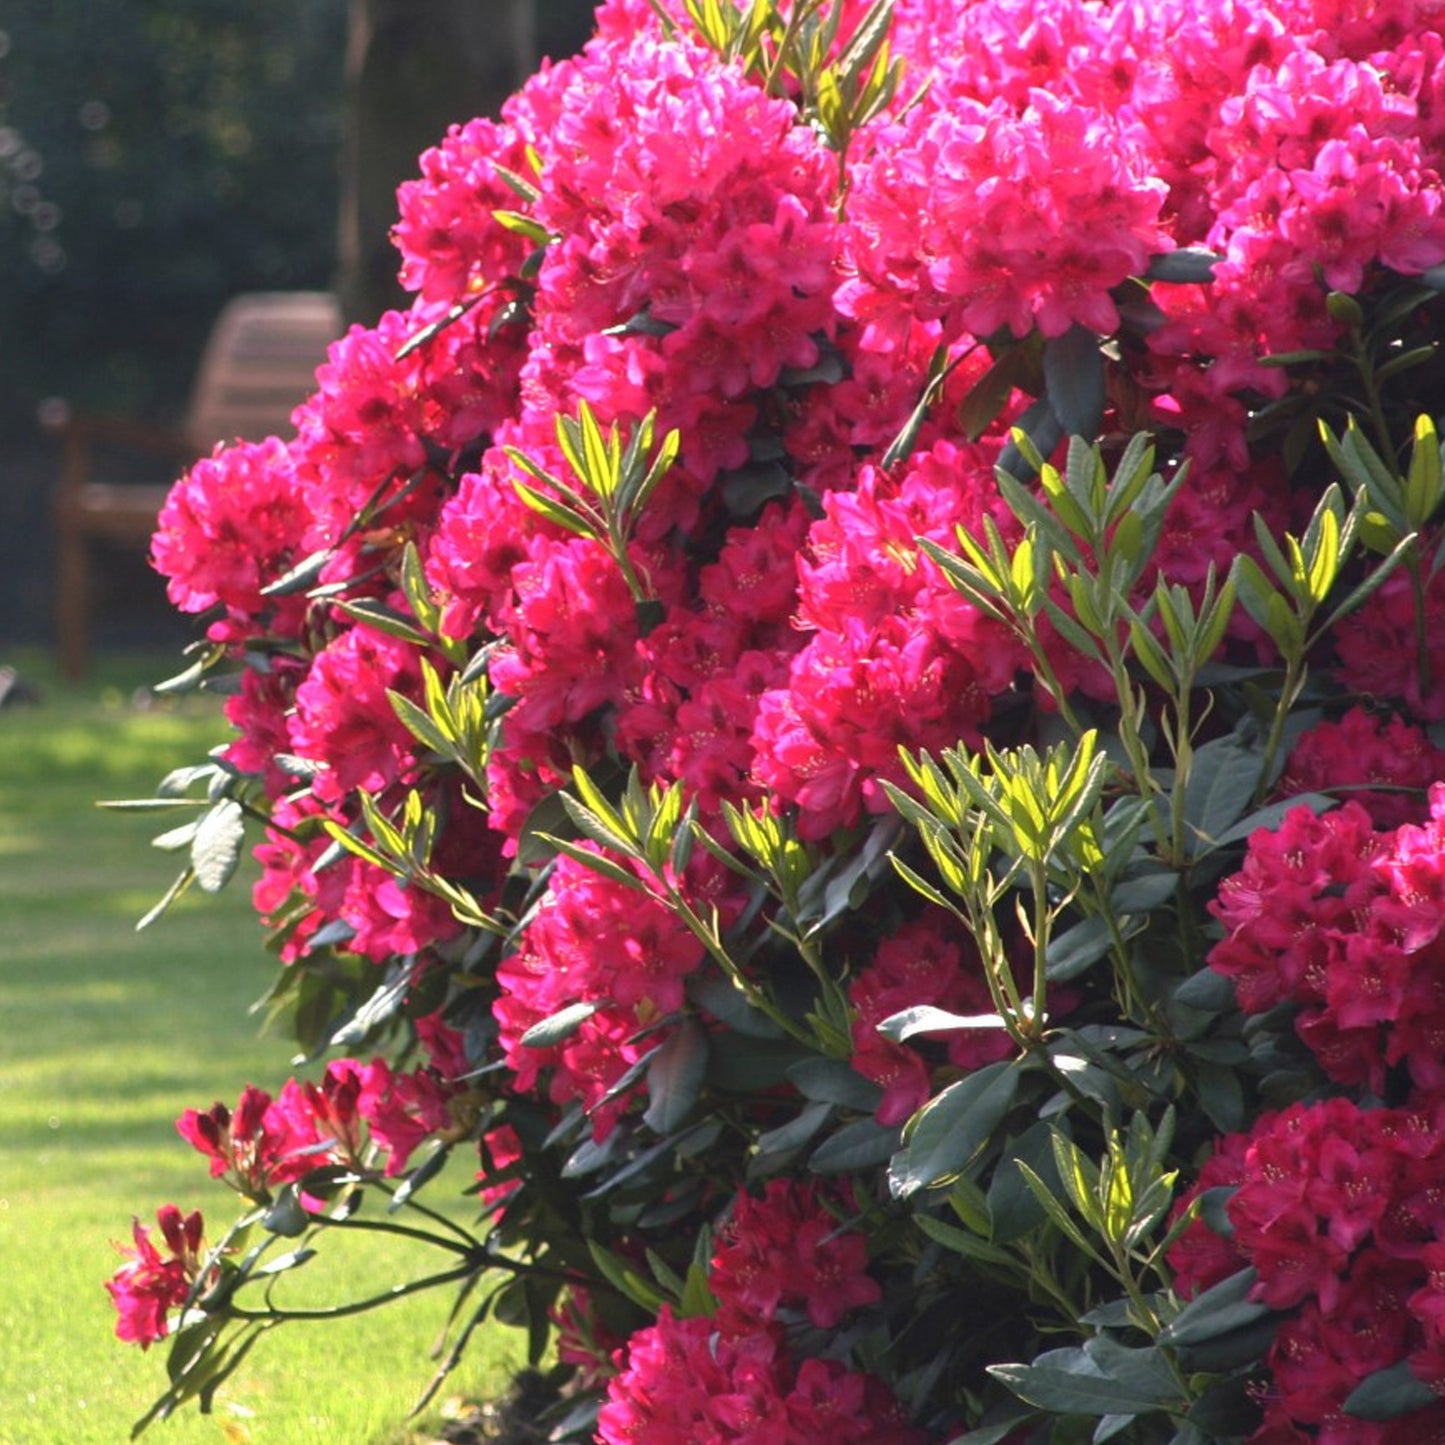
255, 1147
150, 1284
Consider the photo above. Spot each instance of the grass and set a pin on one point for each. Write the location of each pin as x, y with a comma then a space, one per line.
105, 1036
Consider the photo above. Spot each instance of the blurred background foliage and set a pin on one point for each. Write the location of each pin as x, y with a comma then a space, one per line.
159, 156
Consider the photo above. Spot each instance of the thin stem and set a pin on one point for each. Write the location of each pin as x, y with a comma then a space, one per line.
356, 1307
672, 899
617, 545
381, 1226
1294, 677
1042, 929
997, 970
1373, 400
471, 1241
1183, 751
1146, 1317
1134, 748
1044, 1283
1131, 1004
1044, 672
1417, 596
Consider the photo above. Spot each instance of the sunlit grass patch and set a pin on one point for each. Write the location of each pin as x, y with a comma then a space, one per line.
107, 1036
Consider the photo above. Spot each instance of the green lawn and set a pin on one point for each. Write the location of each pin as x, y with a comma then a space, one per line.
105, 1036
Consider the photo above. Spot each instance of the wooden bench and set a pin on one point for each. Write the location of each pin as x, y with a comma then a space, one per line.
259, 362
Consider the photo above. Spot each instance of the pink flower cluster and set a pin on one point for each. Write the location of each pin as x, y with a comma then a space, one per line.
594, 941
1338, 1209
788, 1252
1384, 764
1382, 654
263, 1142
697, 265
358, 1118
1000, 214
923, 963
732, 1378
685, 1383
1344, 922
150, 1285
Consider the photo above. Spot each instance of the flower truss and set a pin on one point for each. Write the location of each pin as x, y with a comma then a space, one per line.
845, 716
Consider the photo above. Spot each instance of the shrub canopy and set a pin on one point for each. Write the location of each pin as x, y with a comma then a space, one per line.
844, 715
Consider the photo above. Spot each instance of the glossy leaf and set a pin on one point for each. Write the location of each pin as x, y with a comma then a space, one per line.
1074, 380
216, 847
1389, 1394
946, 1133
675, 1078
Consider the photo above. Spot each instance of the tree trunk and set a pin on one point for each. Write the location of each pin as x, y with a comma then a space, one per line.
414, 67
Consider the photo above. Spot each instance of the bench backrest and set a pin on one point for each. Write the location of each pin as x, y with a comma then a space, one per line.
260, 363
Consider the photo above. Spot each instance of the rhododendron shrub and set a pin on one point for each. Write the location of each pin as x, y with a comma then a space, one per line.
842, 727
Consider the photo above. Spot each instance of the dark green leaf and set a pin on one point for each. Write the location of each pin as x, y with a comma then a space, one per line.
776, 1147
831, 367
834, 1081
1218, 1310
623, 1277
385, 619
928, 1019
300, 577
649, 613
953, 1126
1188, 266
421, 1176
1012, 1204
223, 1365
1111, 1425
1221, 785
697, 1296
863, 1144
961, 1241
188, 678
287, 1216
1222, 1095
847, 889
694, 1140
994, 1433
1074, 381
292, 1259
1073, 1382
1227, 1410
420, 724
748, 1065
1208, 990
591, 858
675, 1077
726, 1002
179, 781
1145, 893
1239, 1349
548, 819
1053, 1207
988, 395
1405, 361
174, 839
590, 1156
1076, 948
1270, 815
1388, 1394
1043, 428
939, 369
